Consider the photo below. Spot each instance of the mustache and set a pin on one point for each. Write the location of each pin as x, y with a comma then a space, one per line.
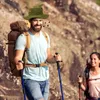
37, 25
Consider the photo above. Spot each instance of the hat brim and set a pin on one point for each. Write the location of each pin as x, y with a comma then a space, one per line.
44, 16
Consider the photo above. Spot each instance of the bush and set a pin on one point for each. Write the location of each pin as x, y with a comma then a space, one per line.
98, 2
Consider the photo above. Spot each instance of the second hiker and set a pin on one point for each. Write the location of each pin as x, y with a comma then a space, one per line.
35, 71
92, 77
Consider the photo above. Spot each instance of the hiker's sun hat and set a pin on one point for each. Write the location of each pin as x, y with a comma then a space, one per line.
36, 12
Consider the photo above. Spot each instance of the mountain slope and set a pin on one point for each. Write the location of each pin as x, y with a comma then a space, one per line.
73, 34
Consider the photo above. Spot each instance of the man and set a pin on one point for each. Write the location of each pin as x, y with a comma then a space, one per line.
35, 72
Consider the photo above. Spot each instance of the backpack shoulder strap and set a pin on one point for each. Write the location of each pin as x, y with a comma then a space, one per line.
46, 36
28, 40
87, 70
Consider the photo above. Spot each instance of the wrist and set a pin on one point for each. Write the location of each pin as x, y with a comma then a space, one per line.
19, 61
80, 82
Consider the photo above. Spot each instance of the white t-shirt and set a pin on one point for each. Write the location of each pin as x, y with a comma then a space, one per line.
36, 54
94, 85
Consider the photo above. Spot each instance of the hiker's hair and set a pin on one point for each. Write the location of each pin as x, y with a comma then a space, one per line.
88, 64
97, 54
31, 19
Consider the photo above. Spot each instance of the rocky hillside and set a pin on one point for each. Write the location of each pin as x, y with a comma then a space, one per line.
74, 31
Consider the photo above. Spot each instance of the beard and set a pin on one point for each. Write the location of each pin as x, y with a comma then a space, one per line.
36, 28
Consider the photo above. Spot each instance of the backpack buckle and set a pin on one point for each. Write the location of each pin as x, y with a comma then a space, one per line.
37, 65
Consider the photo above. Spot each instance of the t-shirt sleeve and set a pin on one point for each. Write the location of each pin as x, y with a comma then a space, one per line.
20, 43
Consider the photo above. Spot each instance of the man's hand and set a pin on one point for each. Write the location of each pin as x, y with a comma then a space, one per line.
57, 57
19, 65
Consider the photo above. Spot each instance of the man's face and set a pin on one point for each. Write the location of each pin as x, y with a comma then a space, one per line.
36, 24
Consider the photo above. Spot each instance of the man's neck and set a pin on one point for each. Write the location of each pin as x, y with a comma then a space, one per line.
34, 32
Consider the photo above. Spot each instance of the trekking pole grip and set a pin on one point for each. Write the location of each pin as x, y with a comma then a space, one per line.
58, 65
57, 54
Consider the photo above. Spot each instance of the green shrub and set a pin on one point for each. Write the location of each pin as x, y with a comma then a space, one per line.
98, 2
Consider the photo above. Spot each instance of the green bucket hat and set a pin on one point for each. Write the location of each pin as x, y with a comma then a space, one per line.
36, 12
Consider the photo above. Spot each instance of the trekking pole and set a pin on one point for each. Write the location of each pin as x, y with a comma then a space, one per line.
22, 82
79, 86
60, 80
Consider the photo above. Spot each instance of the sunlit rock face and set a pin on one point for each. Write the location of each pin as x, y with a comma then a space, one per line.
74, 34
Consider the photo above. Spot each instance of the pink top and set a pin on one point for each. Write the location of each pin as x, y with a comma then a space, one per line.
94, 85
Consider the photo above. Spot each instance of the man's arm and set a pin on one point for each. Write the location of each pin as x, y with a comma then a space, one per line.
18, 59
52, 58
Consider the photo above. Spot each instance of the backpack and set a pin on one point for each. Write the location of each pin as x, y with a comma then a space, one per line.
17, 28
